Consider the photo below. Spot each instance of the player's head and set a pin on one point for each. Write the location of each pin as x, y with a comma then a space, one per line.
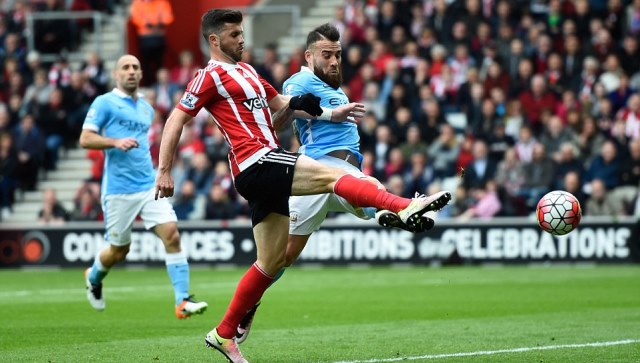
127, 74
222, 29
324, 54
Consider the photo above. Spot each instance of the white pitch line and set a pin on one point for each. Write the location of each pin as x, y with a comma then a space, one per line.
118, 289
493, 352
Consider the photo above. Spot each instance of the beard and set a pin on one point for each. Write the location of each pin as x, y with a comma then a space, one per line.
333, 80
231, 53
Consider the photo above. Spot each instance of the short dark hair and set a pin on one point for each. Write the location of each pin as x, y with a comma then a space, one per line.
325, 31
213, 21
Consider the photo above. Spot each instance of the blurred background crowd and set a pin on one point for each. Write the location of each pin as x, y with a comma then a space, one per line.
525, 96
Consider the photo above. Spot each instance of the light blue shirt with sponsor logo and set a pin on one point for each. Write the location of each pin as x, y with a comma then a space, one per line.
116, 115
319, 137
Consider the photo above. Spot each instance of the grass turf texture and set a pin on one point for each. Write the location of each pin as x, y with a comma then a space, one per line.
329, 315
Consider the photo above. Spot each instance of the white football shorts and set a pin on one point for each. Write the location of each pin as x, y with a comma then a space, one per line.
121, 210
306, 213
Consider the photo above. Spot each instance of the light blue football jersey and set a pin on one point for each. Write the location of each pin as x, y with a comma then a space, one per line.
319, 137
116, 115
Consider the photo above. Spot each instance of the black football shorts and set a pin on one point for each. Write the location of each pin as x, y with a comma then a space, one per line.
266, 185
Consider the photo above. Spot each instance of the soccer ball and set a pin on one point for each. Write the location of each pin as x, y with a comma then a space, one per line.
558, 212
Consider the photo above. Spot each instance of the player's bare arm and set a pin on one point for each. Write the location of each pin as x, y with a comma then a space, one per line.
91, 140
284, 115
168, 144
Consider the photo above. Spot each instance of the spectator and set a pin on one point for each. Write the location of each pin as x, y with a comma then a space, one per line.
200, 173
510, 173
413, 143
630, 54
555, 134
418, 176
499, 142
269, 58
606, 166
381, 150
30, 146
627, 190
481, 169
601, 202
486, 202
218, 205
567, 161
151, 19
8, 169
620, 95
60, 72
184, 202
444, 152
164, 90
224, 179
572, 183
539, 174
93, 69
589, 141
86, 205
184, 71
610, 78
52, 211
537, 100
52, 121
630, 116
395, 165
77, 97
37, 94
573, 61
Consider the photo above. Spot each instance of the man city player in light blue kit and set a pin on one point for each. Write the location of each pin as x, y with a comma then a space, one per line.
118, 123
335, 144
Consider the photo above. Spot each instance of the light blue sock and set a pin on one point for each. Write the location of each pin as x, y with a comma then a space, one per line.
370, 212
98, 272
178, 269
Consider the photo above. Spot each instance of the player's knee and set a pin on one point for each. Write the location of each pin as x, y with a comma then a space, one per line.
172, 242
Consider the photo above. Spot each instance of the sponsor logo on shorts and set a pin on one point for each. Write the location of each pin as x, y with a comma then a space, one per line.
189, 101
293, 217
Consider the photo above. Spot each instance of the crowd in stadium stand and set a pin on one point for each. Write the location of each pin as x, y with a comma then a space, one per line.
525, 96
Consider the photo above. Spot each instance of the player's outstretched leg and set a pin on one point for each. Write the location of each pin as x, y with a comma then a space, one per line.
228, 347
365, 194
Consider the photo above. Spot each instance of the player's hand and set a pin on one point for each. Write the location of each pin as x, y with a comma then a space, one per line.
307, 103
126, 144
164, 185
351, 112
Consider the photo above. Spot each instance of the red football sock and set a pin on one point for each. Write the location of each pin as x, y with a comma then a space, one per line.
363, 193
249, 291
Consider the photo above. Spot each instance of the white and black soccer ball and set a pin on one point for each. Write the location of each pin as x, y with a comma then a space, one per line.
558, 212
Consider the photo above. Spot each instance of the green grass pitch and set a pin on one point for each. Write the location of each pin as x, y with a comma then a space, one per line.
334, 315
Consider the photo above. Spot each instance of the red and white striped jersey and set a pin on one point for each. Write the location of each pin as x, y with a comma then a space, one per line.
236, 97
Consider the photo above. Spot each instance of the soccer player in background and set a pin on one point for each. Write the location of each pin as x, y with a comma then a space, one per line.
240, 103
335, 144
117, 123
